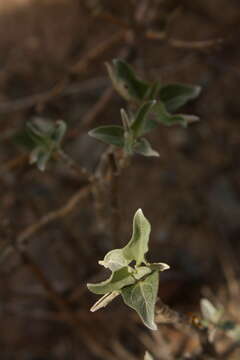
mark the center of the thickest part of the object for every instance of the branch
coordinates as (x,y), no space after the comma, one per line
(22,238)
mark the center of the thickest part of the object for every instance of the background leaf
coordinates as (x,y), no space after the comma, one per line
(176,95)
(124,80)
(147,356)
(143,147)
(210,312)
(109,134)
(139,124)
(142,297)
(165,118)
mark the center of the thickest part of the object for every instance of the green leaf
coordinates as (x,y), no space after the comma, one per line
(142,298)
(164,117)
(114,260)
(125,82)
(58,132)
(138,245)
(158,266)
(104,300)
(22,138)
(176,95)
(40,127)
(148,356)
(141,271)
(143,147)
(139,124)
(109,134)
(125,119)
(117,281)
(129,142)
(40,157)
(210,312)
(152,91)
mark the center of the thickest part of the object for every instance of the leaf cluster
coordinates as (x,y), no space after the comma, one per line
(42,138)
(132,276)
(213,320)
(151,104)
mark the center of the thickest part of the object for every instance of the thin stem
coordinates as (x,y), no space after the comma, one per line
(164,314)
(69,162)
(114,199)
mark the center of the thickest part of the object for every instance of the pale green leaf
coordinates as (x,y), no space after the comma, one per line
(104,301)
(40,157)
(141,271)
(138,125)
(109,134)
(114,260)
(210,312)
(176,95)
(159,266)
(143,147)
(59,132)
(142,298)
(165,118)
(125,119)
(138,245)
(152,91)
(148,356)
(117,281)
(125,82)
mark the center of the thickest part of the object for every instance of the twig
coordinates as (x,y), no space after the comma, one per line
(114,199)
(228,352)
(96,51)
(165,314)
(53,215)
(80,171)
(33,100)
(53,295)
(13,163)
(62,305)
(97,109)
(23,103)
(182,44)
(23,237)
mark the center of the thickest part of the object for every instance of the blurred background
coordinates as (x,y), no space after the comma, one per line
(52,66)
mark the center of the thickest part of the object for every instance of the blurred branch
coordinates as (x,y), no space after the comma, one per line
(96,51)
(45,220)
(53,215)
(183,44)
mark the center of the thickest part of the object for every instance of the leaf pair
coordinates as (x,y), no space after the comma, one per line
(129,136)
(213,320)
(138,283)
(42,137)
(135,90)
(168,98)
(155,103)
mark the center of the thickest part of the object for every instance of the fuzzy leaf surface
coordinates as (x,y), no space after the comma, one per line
(138,244)
(144,148)
(117,281)
(125,81)
(109,134)
(165,118)
(175,96)
(142,298)
(139,124)
(114,260)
